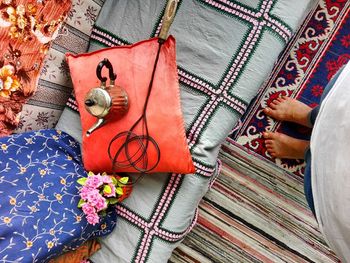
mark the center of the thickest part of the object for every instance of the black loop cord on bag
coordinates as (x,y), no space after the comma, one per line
(139,159)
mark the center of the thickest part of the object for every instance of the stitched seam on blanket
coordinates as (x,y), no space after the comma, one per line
(155,205)
(162,233)
(282,29)
(185,77)
(182,236)
(203,169)
(233,75)
(208,119)
(172,186)
(203,83)
(72,103)
(105,34)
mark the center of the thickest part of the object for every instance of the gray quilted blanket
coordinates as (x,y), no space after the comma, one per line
(225,51)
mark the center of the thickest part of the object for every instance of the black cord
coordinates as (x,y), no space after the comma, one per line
(139,159)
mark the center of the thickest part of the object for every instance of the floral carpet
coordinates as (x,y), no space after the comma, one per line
(318,50)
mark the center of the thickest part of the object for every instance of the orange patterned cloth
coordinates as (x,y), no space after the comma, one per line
(83,252)
(27,28)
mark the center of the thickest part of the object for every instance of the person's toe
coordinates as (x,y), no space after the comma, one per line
(267,110)
(270,150)
(273,105)
(268,143)
(266,135)
(270,135)
(275,102)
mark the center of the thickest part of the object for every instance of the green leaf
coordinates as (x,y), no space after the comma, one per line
(119,191)
(107,189)
(103,213)
(114,181)
(113,201)
(81,202)
(124,180)
(91,174)
(82,181)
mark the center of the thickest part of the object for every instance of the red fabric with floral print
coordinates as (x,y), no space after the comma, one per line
(26,31)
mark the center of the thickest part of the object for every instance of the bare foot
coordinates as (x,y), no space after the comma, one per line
(288,109)
(282,146)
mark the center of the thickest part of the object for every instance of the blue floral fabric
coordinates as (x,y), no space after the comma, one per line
(39,218)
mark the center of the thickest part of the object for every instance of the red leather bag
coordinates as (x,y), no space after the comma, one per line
(133,65)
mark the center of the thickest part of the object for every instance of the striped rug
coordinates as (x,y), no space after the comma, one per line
(255,212)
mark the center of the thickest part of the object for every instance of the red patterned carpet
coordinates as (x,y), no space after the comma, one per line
(318,50)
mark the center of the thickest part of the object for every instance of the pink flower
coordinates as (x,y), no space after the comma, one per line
(84,192)
(94,181)
(93,218)
(106,179)
(95,189)
(93,196)
(101,204)
(88,209)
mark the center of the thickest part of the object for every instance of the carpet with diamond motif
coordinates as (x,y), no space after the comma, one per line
(317,51)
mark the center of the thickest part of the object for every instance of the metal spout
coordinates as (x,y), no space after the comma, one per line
(94,127)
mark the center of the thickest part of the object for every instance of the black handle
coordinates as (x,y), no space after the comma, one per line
(90,102)
(99,68)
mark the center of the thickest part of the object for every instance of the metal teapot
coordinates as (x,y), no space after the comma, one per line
(104,100)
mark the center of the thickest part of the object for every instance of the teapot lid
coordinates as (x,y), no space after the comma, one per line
(98,102)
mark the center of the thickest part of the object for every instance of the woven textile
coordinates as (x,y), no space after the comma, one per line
(81,253)
(44,108)
(39,214)
(225,50)
(26,33)
(318,50)
(255,212)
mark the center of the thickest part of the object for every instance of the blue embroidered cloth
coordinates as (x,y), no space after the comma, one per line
(39,218)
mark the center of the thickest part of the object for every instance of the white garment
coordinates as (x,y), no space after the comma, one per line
(330,151)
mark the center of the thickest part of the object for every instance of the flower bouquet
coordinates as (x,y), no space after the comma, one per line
(100,191)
